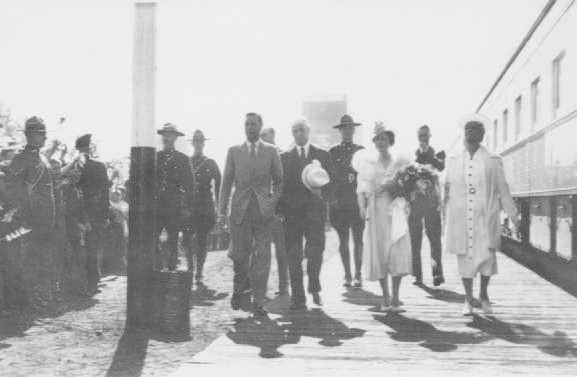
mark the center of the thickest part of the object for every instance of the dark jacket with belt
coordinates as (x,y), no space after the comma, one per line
(174,180)
(344,177)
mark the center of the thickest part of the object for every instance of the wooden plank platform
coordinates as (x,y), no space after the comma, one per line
(533,332)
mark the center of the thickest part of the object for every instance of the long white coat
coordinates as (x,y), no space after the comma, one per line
(497,197)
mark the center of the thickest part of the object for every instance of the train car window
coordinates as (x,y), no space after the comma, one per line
(505,126)
(556,83)
(534,102)
(518,114)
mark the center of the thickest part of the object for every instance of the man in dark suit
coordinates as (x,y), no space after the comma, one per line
(175,191)
(254,169)
(305,211)
(427,207)
(94,185)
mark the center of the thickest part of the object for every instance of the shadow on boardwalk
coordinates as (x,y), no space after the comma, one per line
(428,336)
(269,335)
(130,354)
(556,344)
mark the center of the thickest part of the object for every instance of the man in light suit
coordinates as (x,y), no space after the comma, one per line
(305,212)
(254,169)
(475,193)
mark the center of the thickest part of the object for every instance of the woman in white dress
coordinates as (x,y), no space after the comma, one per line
(387,248)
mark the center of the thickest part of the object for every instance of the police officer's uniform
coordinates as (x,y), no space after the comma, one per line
(344,210)
(175,182)
(205,171)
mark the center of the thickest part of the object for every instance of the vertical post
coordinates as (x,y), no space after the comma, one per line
(142,185)
(574,227)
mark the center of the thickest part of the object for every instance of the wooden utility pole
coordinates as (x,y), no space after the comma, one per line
(142,185)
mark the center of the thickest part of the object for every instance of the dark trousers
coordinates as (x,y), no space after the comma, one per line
(427,211)
(195,240)
(344,221)
(310,227)
(94,255)
(169,220)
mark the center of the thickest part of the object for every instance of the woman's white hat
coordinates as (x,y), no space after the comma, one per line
(475,117)
(314,176)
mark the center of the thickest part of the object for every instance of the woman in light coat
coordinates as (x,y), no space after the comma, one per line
(475,193)
(387,248)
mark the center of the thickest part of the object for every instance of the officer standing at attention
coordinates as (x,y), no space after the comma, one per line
(30,196)
(344,209)
(94,185)
(207,178)
(175,182)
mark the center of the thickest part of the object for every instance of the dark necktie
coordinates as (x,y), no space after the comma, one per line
(302,154)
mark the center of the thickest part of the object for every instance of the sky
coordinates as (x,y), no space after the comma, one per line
(405,63)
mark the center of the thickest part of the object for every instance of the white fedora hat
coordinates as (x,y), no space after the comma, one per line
(314,176)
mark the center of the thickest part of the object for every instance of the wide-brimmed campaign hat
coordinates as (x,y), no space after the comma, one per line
(35,124)
(198,135)
(475,117)
(169,128)
(314,176)
(347,121)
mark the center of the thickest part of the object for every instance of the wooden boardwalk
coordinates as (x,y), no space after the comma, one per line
(533,332)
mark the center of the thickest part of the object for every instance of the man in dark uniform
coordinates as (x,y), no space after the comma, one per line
(344,209)
(206,187)
(94,185)
(175,182)
(30,192)
(427,207)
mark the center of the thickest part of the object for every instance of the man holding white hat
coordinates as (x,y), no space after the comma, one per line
(475,193)
(303,204)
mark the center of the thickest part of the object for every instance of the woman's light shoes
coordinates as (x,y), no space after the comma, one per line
(468,309)
(485,306)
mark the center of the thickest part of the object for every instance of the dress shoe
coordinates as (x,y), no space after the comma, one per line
(347,283)
(282,292)
(468,309)
(298,306)
(236,301)
(259,311)
(486,307)
(357,283)
(317,299)
(438,280)
(418,282)
(396,309)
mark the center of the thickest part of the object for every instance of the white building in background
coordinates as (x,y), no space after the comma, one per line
(322,113)
(533,106)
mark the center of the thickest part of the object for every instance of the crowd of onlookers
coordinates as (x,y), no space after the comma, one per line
(63,217)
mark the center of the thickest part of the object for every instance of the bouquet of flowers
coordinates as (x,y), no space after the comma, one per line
(414,179)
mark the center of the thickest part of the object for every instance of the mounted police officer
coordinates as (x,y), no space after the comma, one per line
(175,185)
(94,186)
(30,195)
(207,179)
(344,210)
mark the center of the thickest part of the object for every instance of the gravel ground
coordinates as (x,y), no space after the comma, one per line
(89,340)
